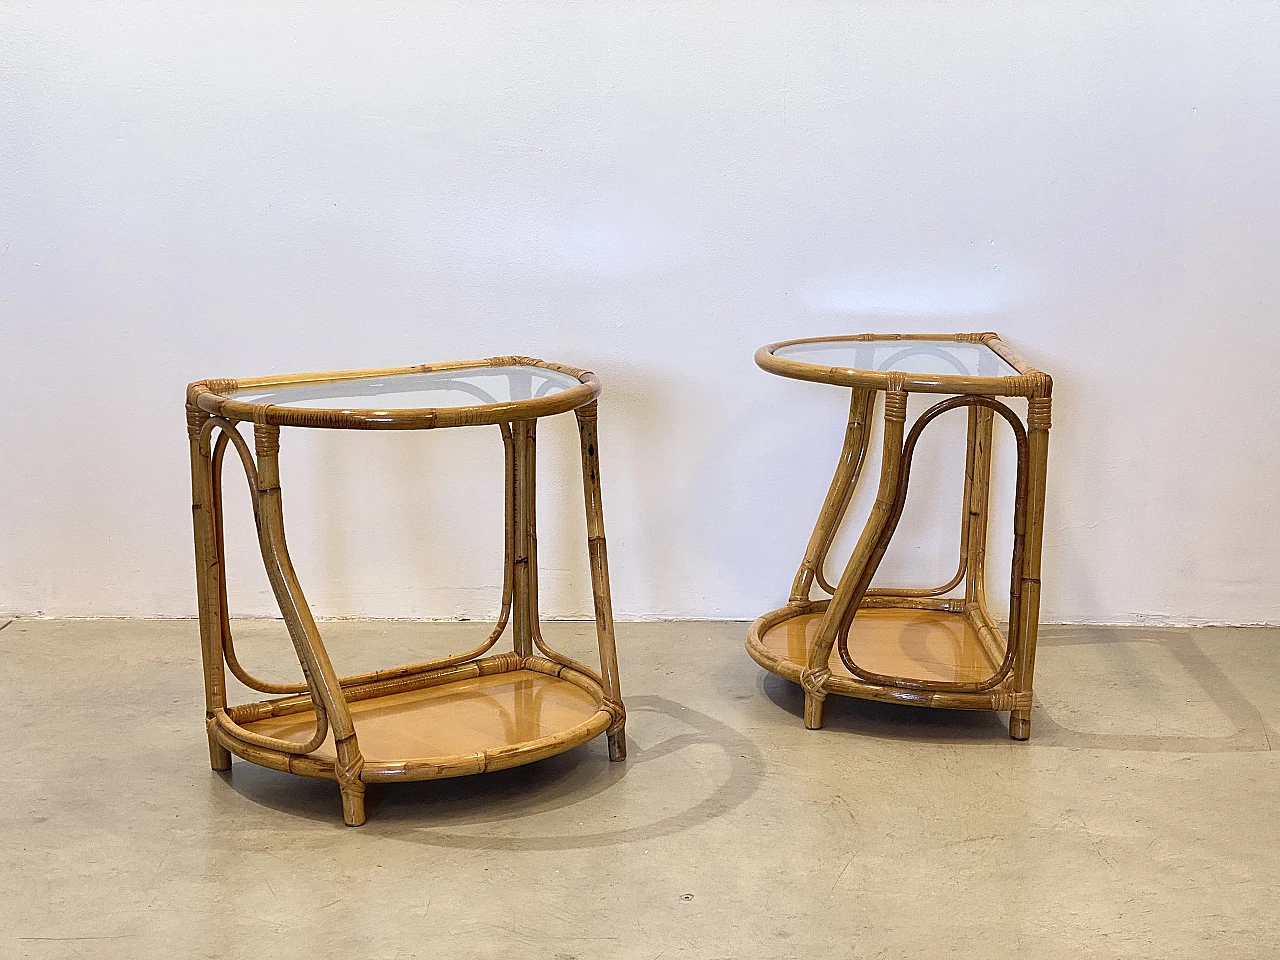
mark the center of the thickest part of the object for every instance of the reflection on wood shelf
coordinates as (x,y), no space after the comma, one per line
(465,718)
(916,644)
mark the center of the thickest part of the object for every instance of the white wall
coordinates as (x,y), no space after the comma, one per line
(651,190)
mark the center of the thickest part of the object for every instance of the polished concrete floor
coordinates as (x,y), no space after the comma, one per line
(1140,820)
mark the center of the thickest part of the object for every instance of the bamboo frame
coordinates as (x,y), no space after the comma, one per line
(1011,657)
(213,419)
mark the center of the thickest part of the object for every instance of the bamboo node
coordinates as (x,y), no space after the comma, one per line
(814,682)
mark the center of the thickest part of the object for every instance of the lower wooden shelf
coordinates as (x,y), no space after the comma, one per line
(497,719)
(908,644)
(913,644)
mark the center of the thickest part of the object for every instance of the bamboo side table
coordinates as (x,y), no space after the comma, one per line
(929,647)
(466,713)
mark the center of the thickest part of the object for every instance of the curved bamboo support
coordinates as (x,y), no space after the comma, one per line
(527,547)
(523,522)
(321,678)
(228,432)
(972,454)
(848,595)
(207,580)
(885,534)
(535,626)
(891,498)
(857,436)
(603,600)
(504,612)
(215,589)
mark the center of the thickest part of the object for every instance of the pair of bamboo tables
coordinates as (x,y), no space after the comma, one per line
(476,711)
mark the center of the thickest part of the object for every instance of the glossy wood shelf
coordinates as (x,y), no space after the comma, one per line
(914,644)
(487,722)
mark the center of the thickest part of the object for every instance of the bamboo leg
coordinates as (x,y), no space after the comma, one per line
(600,580)
(348,767)
(977,512)
(856,437)
(853,584)
(525,599)
(815,708)
(981,421)
(208,579)
(321,677)
(1039,417)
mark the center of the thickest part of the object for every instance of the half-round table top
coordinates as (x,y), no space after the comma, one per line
(462,393)
(945,363)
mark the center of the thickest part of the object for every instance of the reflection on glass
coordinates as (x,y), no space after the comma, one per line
(922,357)
(411,391)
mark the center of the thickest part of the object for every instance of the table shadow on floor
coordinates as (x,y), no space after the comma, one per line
(445,813)
(889,721)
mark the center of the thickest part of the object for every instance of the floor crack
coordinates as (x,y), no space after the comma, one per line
(1266,736)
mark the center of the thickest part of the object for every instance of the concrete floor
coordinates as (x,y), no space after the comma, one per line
(1140,821)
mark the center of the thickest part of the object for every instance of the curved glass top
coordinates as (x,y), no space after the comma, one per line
(921,357)
(466,387)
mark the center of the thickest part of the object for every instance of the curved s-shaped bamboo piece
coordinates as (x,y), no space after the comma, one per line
(316,666)
(815,675)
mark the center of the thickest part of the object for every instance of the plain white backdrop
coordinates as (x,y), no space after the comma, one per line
(651,190)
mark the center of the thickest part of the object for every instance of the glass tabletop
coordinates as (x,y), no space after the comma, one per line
(466,387)
(922,357)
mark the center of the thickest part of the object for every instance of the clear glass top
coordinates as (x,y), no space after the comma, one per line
(923,357)
(466,387)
